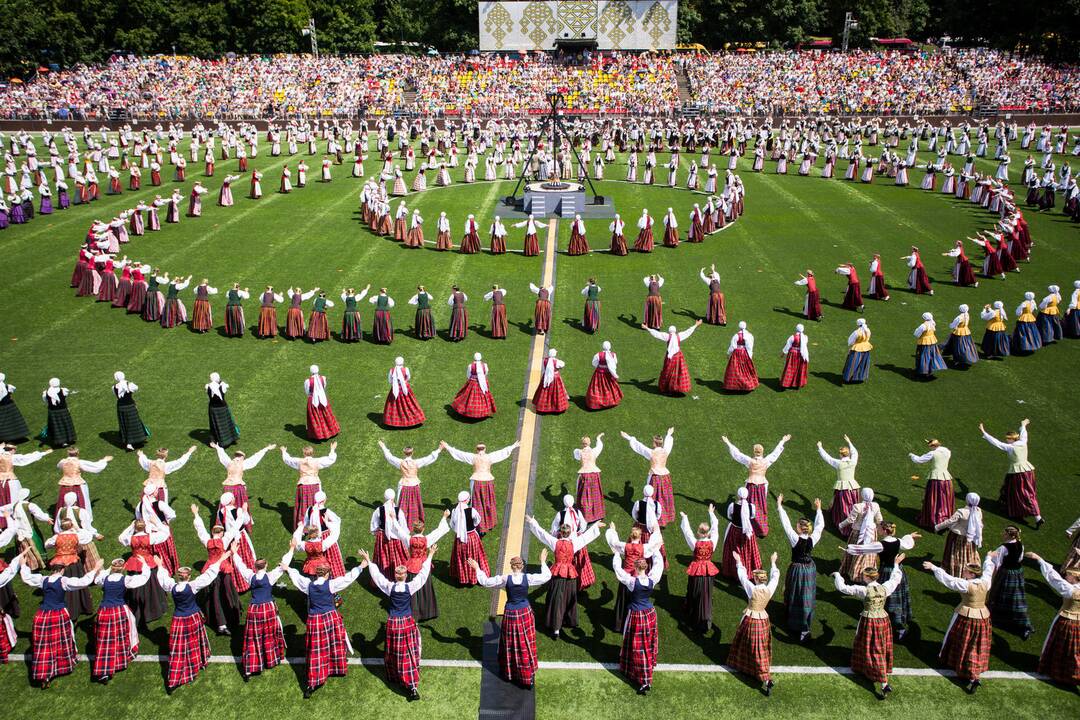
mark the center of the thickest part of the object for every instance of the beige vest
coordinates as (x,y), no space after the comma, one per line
(756,469)
(70,472)
(410,474)
(845,475)
(658,462)
(234,472)
(973,602)
(1071,607)
(758,601)
(481,468)
(588,461)
(1018,459)
(939,466)
(309,472)
(7,468)
(874,604)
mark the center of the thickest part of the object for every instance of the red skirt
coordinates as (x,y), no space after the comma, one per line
(201,318)
(402,656)
(590,496)
(853,297)
(294,323)
(443,241)
(167,552)
(498,322)
(590,322)
(470,244)
(746,545)
(640,646)
(382,327)
(113,647)
(473,547)
(604,391)
(585,575)
(654,311)
(1060,659)
(327,648)
(967,647)
(1020,495)
(717,312)
(740,374)
(189,649)
(497,245)
(411,503)
(424,324)
(551,399)
(922,281)
(872,652)
(267,322)
(52,645)
(965,276)
(644,242)
(938,503)
(305,498)
(578,244)
(795,370)
(842,502)
(388,553)
(402,411)
(758,495)
(813,305)
(532,245)
(751,648)
(665,495)
(483,501)
(542,316)
(618,244)
(318,329)
(321,423)
(472,402)
(264,641)
(671,237)
(517,646)
(459,323)
(675,376)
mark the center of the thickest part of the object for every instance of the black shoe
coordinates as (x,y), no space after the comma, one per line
(244,676)
(767,689)
(170,690)
(1038,522)
(643,689)
(973,686)
(105,680)
(886,688)
(308,691)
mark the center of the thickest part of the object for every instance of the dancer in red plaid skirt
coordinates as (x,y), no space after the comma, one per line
(550,396)
(697,607)
(938,502)
(401,409)
(716,314)
(603,391)
(326,641)
(635,548)
(1019,492)
(739,536)
(222,600)
(812,303)
(853,297)
(264,640)
(641,637)
(482,482)
(590,493)
(474,400)
(564,586)
(740,374)
(751,648)
(517,636)
(189,650)
(160,467)
(575,520)
(235,468)
(674,375)
(402,656)
(872,652)
(966,648)
(321,423)
(654,303)
(846,487)
(797,360)
(408,489)
(756,482)
(158,516)
(308,483)
(542,310)
(1060,658)
(391,533)
(8,636)
(52,643)
(464,521)
(116,638)
(659,477)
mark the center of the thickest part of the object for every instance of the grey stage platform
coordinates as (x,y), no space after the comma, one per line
(563,202)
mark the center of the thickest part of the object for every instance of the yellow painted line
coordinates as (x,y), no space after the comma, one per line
(514,533)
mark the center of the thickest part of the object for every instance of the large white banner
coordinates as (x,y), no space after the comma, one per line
(613,24)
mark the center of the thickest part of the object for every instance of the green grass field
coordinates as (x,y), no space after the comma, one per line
(313,237)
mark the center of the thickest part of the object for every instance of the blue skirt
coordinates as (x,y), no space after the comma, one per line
(1026,338)
(995,344)
(1049,328)
(1072,324)
(928,360)
(857,366)
(962,350)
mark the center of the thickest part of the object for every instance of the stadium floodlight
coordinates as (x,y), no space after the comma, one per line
(309,31)
(849,24)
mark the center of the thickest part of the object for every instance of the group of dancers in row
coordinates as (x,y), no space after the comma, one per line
(135,589)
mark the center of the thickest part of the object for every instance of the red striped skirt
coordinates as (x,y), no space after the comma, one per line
(740,375)
(517,646)
(402,411)
(654,311)
(327,649)
(472,402)
(665,495)
(1060,659)
(267,322)
(52,645)
(473,547)
(318,328)
(264,640)
(542,316)
(603,390)
(675,375)
(201,316)
(590,321)
(640,646)
(872,652)
(751,648)
(758,495)
(590,496)
(388,553)
(483,501)
(113,647)
(746,545)
(167,552)
(1020,495)
(967,646)
(321,423)
(671,237)
(842,502)
(305,498)
(532,245)
(795,371)
(716,314)
(382,327)
(402,656)
(189,649)
(551,399)
(294,323)
(585,575)
(498,322)
(644,241)
(411,504)
(938,503)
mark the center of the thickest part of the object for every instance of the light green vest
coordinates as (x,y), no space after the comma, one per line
(845,475)
(939,465)
(1018,459)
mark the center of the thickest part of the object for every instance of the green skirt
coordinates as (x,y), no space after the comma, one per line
(12,424)
(59,429)
(132,430)
(222,426)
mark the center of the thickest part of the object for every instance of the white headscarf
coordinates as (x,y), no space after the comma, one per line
(317,388)
(672,341)
(549,368)
(866,528)
(398,385)
(975,520)
(54,391)
(389,511)
(612,360)
(481,371)
(216,387)
(744,511)
(457,517)
(226,499)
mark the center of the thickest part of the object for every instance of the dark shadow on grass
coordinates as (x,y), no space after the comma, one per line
(689,314)
(525,328)
(773,383)
(835,378)
(461,418)
(648,386)
(210,505)
(630,320)
(463,637)
(201,435)
(905,372)
(284,511)
(894,508)
(112,437)
(788,311)
(299,431)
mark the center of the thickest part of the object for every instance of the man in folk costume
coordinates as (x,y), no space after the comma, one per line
(222,603)
(853,299)
(751,648)
(1019,489)
(189,649)
(800,584)
(542,310)
(470,241)
(532,243)
(860,527)
(654,303)
(71,480)
(9,460)
(482,482)
(566,578)
(116,637)
(918,281)
(468,545)
(641,637)
(796,354)
(326,641)
(517,637)
(716,314)
(674,375)
(161,467)
(52,642)
(408,489)
(938,502)
(459,314)
(1060,657)
(846,487)
(321,422)
(887,548)
(740,375)
(872,651)
(264,640)
(966,648)
(756,482)
(659,477)
(497,298)
(550,396)
(308,484)
(812,303)
(697,607)
(234,470)
(401,409)
(402,656)
(590,321)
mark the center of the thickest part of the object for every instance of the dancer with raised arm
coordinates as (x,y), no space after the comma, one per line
(800,583)
(674,375)
(697,606)
(756,482)
(517,638)
(751,648)
(659,477)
